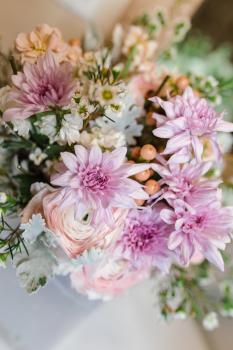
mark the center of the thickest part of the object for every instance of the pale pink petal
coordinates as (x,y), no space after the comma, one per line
(224,126)
(197,147)
(69,160)
(165,131)
(95,156)
(168,216)
(177,142)
(81,154)
(174,240)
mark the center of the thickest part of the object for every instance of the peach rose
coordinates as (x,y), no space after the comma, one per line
(108,279)
(77,236)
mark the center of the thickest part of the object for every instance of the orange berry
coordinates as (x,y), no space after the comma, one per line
(152,187)
(139,202)
(135,152)
(148,152)
(143,175)
(182,82)
(130,161)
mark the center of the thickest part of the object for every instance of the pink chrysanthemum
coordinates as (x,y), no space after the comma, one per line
(39,87)
(203,229)
(186,182)
(188,120)
(98,182)
(144,239)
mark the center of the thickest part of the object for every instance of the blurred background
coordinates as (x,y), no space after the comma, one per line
(56,318)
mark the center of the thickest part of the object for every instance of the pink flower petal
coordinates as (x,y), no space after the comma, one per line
(69,160)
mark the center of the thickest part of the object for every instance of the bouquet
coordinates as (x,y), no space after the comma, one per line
(111,163)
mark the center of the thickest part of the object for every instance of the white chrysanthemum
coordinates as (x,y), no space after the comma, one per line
(210,321)
(33,228)
(70,129)
(47,126)
(22,127)
(125,122)
(37,156)
(104,137)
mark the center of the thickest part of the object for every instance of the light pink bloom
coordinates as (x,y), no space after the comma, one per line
(186,182)
(39,87)
(108,279)
(144,239)
(188,120)
(77,236)
(97,182)
(203,229)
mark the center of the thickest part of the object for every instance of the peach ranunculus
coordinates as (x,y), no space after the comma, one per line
(31,45)
(74,236)
(77,236)
(108,279)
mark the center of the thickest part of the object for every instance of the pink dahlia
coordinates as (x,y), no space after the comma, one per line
(186,182)
(203,229)
(39,87)
(188,120)
(144,239)
(98,182)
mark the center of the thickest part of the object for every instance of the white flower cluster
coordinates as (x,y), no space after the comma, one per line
(69,131)
(121,129)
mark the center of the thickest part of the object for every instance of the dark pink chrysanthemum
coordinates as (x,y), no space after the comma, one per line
(144,239)
(188,120)
(40,86)
(97,182)
(204,229)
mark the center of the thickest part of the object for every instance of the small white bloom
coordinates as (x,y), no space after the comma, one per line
(33,228)
(22,127)
(210,321)
(108,95)
(47,126)
(70,130)
(37,156)
(103,136)
(83,108)
(3,197)
(124,123)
